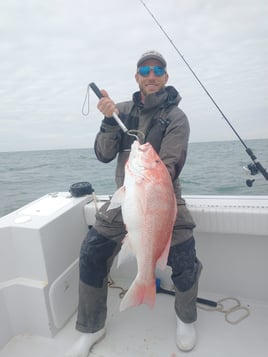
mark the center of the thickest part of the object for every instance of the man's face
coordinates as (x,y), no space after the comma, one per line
(151,83)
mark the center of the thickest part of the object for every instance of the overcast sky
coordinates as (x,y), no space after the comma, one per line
(50,50)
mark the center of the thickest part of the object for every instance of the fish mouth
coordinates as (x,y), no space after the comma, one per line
(144,147)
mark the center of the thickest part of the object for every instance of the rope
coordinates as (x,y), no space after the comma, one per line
(86,105)
(236,308)
(112,285)
(220,307)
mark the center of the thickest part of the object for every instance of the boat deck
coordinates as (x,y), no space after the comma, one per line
(150,333)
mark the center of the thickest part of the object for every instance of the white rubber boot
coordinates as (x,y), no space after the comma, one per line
(84,343)
(186,335)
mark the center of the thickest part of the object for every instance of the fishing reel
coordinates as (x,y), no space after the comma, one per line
(252,170)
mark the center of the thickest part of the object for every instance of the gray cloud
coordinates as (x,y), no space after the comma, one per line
(51,50)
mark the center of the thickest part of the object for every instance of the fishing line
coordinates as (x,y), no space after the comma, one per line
(254,169)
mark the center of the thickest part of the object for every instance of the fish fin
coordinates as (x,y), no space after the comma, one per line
(125,253)
(117,198)
(139,293)
(162,260)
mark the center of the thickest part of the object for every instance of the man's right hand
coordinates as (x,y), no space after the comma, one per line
(106,105)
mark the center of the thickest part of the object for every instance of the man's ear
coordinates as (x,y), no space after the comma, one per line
(167,77)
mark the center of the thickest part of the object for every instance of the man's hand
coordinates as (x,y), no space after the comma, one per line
(106,105)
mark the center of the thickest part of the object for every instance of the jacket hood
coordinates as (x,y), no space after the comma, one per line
(165,97)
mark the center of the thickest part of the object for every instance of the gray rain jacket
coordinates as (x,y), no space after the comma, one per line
(164,125)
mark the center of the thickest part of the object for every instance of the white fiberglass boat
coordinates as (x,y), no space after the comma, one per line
(39,250)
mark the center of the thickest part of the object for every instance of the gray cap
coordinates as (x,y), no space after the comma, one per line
(152,55)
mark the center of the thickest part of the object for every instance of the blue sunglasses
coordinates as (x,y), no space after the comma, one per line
(145,70)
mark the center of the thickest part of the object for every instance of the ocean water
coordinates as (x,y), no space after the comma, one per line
(213,168)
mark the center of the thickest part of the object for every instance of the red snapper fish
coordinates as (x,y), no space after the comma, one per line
(149,211)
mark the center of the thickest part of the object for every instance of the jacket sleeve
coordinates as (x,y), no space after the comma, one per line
(107,141)
(173,150)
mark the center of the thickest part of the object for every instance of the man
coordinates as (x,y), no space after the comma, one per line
(154,111)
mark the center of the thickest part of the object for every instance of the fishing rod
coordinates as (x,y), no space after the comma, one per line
(254,168)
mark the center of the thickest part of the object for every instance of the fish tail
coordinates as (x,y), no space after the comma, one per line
(139,293)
